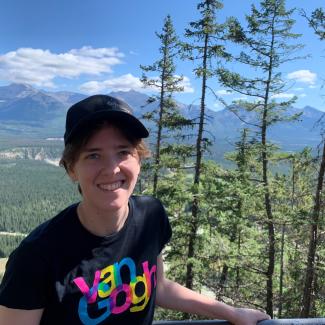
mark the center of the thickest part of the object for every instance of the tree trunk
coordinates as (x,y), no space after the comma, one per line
(195,203)
(269,214)
(159,131)
(281,272)
(222,281)
(310,269)
(237,267)
(267,198)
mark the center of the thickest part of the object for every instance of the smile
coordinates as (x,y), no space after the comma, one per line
(111,187)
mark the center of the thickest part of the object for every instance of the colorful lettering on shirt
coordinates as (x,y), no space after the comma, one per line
(107,286)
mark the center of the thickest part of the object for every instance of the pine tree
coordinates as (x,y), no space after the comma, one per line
(317,22)
(166,116)
(245,191)
(267,42)
(205,46)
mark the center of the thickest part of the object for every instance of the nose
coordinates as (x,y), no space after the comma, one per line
(111,165)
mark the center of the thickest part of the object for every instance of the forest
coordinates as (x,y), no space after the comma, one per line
(252,234)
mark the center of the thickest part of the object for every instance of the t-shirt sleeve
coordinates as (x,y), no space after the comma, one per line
(25,284)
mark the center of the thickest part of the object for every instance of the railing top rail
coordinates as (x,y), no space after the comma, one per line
(300,321)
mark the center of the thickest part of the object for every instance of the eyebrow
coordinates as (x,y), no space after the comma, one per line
(121,146)
(91,150)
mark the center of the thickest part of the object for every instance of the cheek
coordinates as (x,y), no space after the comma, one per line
(133,170)
(81,173)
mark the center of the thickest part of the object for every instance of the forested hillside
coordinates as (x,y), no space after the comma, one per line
(31,192)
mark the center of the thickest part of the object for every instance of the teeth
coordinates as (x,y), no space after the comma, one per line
(110,187)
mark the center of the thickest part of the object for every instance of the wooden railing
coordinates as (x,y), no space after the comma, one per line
(300,321)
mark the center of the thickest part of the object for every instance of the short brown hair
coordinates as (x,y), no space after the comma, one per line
(73,149)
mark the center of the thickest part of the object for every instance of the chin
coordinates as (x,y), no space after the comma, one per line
(114,206)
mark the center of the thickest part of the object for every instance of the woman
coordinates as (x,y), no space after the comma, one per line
(99,261)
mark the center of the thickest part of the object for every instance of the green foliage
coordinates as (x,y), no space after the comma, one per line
(166,115)
(268,43)
(8,243)
(31,192)
(205,30)
(205,46)
(317,22)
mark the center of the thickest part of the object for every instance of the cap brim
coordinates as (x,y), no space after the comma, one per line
(132,124)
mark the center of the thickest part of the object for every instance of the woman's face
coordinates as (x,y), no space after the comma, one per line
(107,170)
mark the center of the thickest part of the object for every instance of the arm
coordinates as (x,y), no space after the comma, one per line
(172,295)
(10,316)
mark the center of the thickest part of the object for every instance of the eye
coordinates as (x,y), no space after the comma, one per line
(92,156)
(125,152)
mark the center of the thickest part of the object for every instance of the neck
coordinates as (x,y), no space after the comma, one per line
(102,223)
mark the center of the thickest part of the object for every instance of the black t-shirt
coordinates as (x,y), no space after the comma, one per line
(80,278)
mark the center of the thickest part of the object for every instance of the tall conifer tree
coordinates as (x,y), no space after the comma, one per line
(203,47)
(166,115)
(317,22)
(268,45)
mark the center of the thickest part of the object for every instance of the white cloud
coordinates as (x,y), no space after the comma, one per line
(125,83)
(40,67)
(223,92)
(283,96)
(99,53)
(304,76)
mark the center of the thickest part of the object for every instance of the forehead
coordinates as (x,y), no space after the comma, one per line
(108,135)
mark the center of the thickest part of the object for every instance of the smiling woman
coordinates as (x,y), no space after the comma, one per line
(103,152)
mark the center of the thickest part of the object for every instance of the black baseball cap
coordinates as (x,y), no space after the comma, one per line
(99,107)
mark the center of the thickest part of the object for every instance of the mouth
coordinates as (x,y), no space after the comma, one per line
(111,187)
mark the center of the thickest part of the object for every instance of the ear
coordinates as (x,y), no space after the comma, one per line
(72,174)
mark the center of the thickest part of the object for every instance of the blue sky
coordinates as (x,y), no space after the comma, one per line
(96,46)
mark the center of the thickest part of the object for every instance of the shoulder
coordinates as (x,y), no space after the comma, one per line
(148,210)
(150,214)
(147,203)
(31,266)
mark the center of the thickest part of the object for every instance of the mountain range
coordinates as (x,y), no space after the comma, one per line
(28,112)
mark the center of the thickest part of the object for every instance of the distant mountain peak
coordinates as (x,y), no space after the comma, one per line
(132,97)
(21,86)
(16,90)
(310,108)
(129,93)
